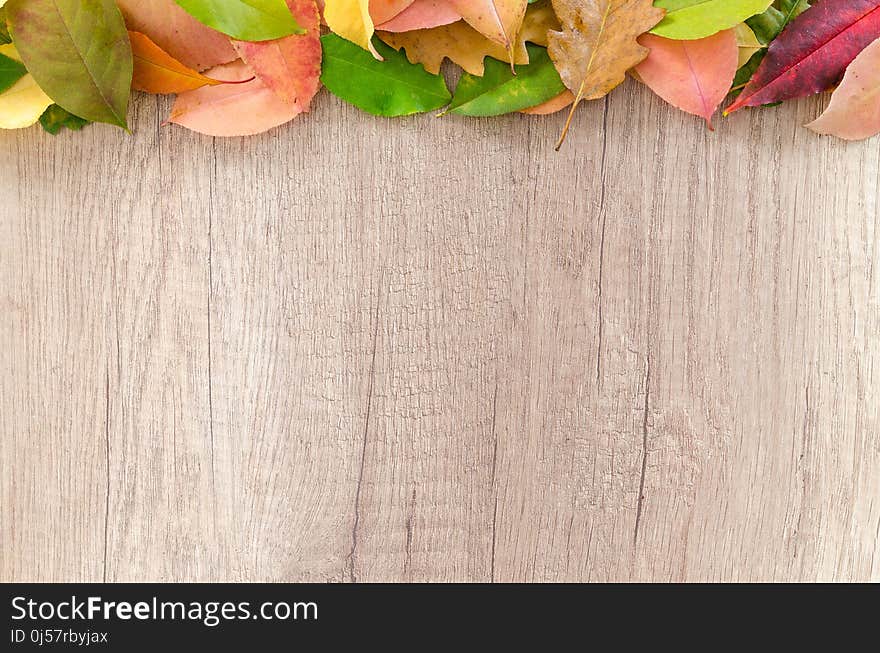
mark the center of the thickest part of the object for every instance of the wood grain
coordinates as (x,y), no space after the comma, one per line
(359,350)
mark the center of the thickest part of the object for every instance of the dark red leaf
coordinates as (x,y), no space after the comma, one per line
(812,54)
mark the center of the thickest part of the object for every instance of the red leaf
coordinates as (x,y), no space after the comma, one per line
(290,66)
(811,55)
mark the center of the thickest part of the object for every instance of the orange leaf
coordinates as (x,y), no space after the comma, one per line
(694,76)
(553,105)
(156,71)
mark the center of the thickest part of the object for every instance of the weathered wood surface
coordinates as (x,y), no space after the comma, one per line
(358,349)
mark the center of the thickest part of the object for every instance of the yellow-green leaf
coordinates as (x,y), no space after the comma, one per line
(24,103)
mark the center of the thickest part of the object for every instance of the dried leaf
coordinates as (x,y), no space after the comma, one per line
(498,20)
(468,48)
(597,44)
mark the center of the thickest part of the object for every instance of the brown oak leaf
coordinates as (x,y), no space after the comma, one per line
(597,44)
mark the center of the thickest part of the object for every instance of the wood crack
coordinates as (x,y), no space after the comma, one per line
(603,216)
(209,325)
(641,499)
(352,555)
(408,525)
(494,488)
(107,459)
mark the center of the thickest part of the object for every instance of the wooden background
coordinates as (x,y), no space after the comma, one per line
(433,349)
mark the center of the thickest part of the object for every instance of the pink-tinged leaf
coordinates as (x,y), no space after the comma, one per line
(291,66)
(384,10)
(694,76)
(813,52)
(232,109)
(854,112)
(422,14)
(178,33)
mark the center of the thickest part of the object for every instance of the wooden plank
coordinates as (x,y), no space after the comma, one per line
(358,349)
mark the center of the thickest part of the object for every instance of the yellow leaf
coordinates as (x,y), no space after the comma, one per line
(23,103)
(499,20)
(351,20)
(747,43)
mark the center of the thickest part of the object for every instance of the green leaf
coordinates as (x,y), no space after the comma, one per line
(54,119)
(393,87)
(499,91)
(768,25)
(78,52)
(245,20)
(10,72)
(696,19)
(4,30)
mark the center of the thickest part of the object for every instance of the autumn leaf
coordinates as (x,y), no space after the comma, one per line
(694,76)
(291,66)
(241,109)
(22,104)
(597,45)
(554,105)
(156,71)
(78,52)
(498,20)
(464,45)
(177,33)
(384,10)
(812,54)
(351,20)
(747,43)
(422,14)
(854,112)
